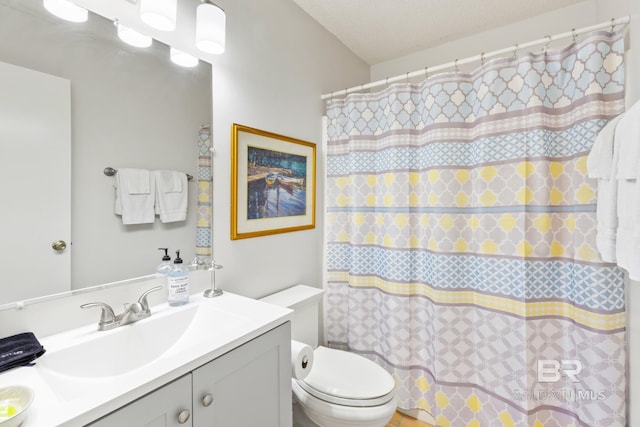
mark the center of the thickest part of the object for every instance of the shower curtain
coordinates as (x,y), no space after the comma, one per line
(461,240)
(205,187)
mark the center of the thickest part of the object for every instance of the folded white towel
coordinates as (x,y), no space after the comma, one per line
(132,202)
(172,195)
(629,130)
(599,161)
(169,181)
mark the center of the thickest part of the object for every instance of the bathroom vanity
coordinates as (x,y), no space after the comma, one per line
(213,362)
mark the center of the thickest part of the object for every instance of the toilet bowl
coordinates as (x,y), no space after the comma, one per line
(345,390)
(342,389)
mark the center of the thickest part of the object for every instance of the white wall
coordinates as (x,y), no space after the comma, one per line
(278,62)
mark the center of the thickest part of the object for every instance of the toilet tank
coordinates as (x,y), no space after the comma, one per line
(305,303)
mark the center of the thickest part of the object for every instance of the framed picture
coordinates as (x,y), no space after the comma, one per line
(273,183)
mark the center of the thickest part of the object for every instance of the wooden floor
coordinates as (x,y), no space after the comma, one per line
(400,420)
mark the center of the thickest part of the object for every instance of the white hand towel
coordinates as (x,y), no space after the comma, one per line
(607,201)
(172,195)
(600,158)
(169,181)
(135,196)
(629,130)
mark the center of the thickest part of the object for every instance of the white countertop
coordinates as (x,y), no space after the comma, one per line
(62,400)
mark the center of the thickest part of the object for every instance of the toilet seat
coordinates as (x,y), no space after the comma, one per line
(347,379)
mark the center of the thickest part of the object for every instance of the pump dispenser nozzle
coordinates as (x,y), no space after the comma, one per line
(166,256)
(178,260)
(165,266)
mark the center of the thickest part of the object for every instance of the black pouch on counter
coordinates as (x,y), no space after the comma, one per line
(19,350)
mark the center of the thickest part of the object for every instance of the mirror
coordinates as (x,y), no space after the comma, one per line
(129,107)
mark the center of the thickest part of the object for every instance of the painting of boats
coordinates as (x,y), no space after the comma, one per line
(273,183)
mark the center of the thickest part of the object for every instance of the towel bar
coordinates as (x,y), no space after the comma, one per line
(109,171)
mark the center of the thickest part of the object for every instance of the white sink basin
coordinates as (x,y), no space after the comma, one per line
(95,354)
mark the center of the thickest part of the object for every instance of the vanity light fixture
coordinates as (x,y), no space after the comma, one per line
(66,10)
(210,28)
(132,37)
(183,59)
(159,14)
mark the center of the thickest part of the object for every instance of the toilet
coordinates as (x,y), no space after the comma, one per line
(342,389)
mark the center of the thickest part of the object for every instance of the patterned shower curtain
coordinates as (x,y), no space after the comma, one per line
(205,197)
(461,240)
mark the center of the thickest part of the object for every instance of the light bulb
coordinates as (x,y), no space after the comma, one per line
(210,28)
(132,37)
(182,58)
(159,14)
(66,10)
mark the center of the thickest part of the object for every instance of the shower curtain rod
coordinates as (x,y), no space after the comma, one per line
(482,57)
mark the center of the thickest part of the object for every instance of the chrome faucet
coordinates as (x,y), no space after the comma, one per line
(132,312)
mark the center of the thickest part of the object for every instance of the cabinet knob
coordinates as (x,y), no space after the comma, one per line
(207,400)
(183,416)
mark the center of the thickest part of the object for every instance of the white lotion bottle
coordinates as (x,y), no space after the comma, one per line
(178,283)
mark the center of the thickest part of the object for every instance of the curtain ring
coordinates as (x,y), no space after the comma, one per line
(426,72)
(574,36)
(515,52)
(482,59)
(455,66)
(407,77)
(613,24)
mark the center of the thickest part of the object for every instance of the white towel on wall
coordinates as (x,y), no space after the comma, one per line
(600,159)
(628,206)
(135,196)
(629,130)
(627,238)
(602,164)
(172,195)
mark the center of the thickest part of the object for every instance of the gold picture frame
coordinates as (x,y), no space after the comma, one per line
(273,183)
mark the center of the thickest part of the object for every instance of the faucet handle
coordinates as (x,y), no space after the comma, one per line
(107,315)
(143,298)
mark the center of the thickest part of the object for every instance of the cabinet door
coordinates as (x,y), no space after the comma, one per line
(247,387)
(161,408)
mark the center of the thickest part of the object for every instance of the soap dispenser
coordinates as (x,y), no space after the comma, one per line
(165,267)
(178,283)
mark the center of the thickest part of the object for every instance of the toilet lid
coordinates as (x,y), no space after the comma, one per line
(340,376)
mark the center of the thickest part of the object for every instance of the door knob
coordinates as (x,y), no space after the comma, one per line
(59,245)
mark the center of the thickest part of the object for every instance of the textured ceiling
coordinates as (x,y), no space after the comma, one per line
(381,30)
